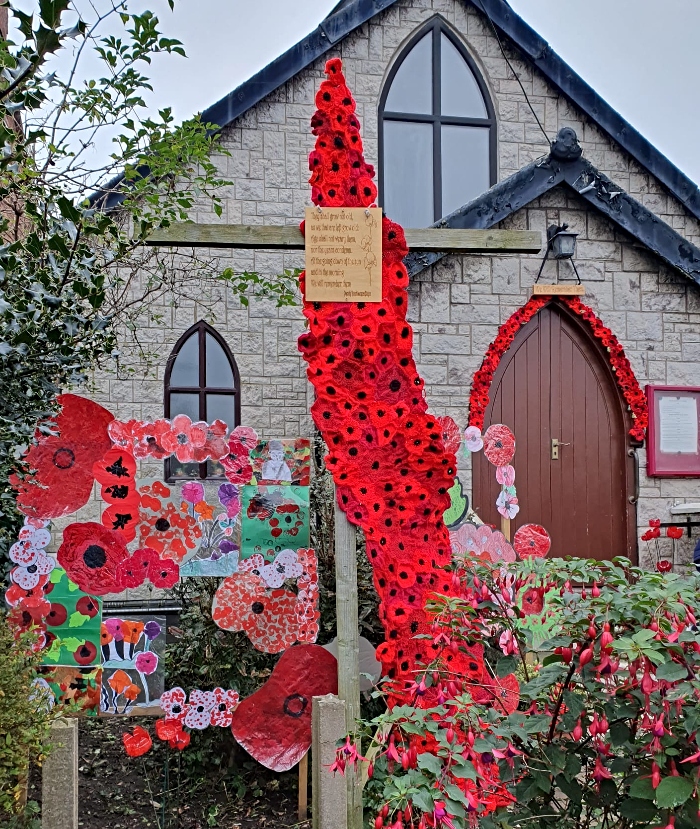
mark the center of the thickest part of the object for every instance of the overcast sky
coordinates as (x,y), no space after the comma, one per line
(641,55)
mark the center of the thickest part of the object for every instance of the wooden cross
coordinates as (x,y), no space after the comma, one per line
(289,237)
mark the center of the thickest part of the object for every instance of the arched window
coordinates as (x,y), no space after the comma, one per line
(201,381)
(437,130)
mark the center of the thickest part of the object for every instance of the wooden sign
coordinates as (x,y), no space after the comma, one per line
(558,290)
(343,254)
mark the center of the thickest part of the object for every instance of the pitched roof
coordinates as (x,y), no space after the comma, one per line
(566,165)
(348,15)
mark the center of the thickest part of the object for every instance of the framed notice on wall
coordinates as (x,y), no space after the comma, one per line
(674,431)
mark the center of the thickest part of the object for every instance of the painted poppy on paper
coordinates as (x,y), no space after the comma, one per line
(531,541)
(91,556)
(499,445)
(62,479)
(274,724)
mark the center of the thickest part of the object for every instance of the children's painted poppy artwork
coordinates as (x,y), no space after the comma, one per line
(72,623)
(75,687)
(133,663)
(219,522)
(274,518)
(286,462)
(274,724)
(163,525)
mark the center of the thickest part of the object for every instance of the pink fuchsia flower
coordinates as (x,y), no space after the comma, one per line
(472,436)
(200,708)
(185,439)
(505,475)
(507,505)
(146,662)
(173,703)
(193,492)
(507,643)
(225,703)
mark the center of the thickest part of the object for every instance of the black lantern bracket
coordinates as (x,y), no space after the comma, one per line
(561,243)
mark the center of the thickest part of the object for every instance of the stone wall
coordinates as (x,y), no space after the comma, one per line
(458,304)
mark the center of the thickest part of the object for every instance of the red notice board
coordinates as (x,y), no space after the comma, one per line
(673,445)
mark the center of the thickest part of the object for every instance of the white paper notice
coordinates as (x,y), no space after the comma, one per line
(678,418)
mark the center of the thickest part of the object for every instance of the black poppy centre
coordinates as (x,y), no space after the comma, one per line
(295,705)
(162,524)
(94,557)
(63,458)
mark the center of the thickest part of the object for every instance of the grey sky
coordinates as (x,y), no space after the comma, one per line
(641,55)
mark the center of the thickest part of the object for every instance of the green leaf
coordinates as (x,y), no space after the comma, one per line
(77,619)
(673,791)
(642,788)
(430,763)
(423,800)
(506,666)
(639,810)
(671,672)
(619,733)
(465,772)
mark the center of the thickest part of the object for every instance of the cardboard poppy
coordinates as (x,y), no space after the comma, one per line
(117,468)
(531,541)
(91,556)
(171,731)
(164,573)
(137,742)
(274,724)
(62,479)
(533,600)
(499,445)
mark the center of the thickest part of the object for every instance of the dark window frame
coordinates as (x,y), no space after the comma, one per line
(436,26)
(201,328)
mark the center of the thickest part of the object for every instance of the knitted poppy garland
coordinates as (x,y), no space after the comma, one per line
(386,453)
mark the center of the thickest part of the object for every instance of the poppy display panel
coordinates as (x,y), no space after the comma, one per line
(72,625)
(133,662)
(274,518)
(283,462)
(76,688)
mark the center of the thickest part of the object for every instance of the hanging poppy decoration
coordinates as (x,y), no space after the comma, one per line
(137,742)
(499,445)
(531,541)
(91,556)
(274,724)
(61,464)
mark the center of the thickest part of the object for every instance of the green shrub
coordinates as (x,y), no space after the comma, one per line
(24,728)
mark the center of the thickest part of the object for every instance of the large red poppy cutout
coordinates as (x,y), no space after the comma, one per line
(91,556)
(62,482)
(274,724)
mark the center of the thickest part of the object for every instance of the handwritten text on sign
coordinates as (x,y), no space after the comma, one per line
(343,254)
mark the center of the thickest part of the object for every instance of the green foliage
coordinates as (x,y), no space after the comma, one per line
(24,725)
(73,276)
(607,731)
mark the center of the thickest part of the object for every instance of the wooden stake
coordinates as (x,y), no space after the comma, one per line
(505,527)
(304,787)
(348,646)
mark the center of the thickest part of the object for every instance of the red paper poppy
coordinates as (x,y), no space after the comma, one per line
(116,468)
(664,566)
(674,532)
(91,556)
(533,601)
(531,541)
(62,481)
(137,741)
(274,724)
(170,731)
(164,573)
(499,445)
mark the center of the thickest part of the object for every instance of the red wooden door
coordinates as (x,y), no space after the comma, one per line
(554,383)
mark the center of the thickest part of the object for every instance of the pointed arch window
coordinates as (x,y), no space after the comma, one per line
(201,381)
(437,130)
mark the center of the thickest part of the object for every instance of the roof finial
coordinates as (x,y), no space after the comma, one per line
(566,147)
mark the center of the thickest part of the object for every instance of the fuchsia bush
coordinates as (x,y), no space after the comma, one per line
(605,731)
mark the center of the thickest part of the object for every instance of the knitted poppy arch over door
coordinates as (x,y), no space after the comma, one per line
(386,453)
(622,370)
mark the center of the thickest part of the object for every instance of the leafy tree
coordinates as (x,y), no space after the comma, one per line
(73,275)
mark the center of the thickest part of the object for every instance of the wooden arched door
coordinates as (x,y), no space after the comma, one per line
(555,383)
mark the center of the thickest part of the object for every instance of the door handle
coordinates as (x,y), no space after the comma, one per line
(556,443)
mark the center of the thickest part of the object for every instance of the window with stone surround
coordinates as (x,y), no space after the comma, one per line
(437,130)
(201,381)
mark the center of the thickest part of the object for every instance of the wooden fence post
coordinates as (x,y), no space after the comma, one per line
(59,777)
(348,646)
(328,791)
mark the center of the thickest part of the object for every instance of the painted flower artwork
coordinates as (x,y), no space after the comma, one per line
(219,530)
(132,652)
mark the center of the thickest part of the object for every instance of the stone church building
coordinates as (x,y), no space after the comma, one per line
(461,103)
